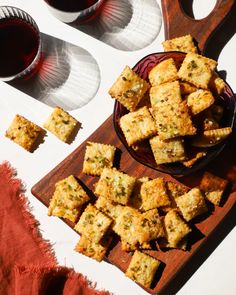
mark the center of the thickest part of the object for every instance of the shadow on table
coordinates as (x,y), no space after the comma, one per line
(125,25)
(67,75)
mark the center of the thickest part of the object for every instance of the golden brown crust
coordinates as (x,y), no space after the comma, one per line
(23,132)
(129,89)
(61,124)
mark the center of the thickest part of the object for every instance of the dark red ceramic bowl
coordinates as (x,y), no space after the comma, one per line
(144,154)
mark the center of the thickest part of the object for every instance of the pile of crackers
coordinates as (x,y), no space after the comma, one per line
(144,213)
(177,110)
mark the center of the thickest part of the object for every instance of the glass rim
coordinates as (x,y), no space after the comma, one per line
(76,11)
(31,22)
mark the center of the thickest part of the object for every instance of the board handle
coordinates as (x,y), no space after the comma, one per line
(177,23)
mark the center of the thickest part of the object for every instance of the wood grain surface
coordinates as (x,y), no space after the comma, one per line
(173,261)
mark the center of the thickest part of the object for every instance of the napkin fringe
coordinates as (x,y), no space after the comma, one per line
(30,221)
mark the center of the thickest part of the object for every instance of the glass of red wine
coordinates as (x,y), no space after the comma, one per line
(20,48)
(73,10)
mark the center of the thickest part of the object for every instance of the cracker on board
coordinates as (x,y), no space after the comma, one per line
(163,72)
(195,70)
(92,249)
(167,151)
(183,43)
(142,268)
(213,186)
(138,126)
(173,120)
(191,204)
(129,227)
(154,194)
(129,89)
(115,185)
(176,228)
(24,132)
(67,199)
(200,100)
(98,156)
(61,124)
(93,224)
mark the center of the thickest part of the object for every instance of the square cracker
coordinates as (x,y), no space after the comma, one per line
(167,93)
(115,185)
(93,224)
(129,89)
(163,72)
(213,187)
(137,126)
(200,100)
(61,124)
(92,249)
(142,268)
(183,43)
(67,199)
(173,120)
(129,227)
(176,228)
(191,204)
(167,151)
(24,132)
(196,70)
(154,194)
(97,157)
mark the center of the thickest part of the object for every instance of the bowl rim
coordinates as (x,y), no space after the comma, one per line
(184,171)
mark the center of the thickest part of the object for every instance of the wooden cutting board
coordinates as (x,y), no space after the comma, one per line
(174,261)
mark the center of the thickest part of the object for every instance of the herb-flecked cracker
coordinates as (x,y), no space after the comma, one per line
(67,199)
(183,43)
(213,186)
(195,70)
(163,72)
(142,268)
(191,204)
(129,89)
(115,185)
(92,249)
(97,157)
(200,100)
(167,93)
(176,228)
(167,151)
(93,224)
(61,124)
(23,132)
(137,126)
(154,194)
(129,227)
(173,120)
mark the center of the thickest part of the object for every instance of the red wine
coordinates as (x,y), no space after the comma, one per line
(71,5)
(19,46)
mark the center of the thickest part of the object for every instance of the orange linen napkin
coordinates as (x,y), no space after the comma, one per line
(27,263)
